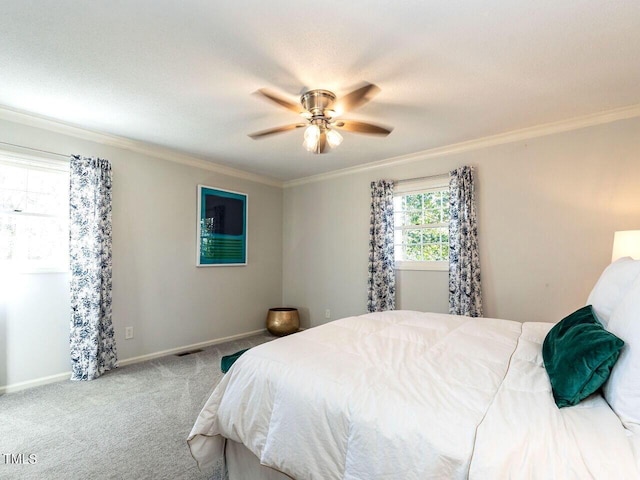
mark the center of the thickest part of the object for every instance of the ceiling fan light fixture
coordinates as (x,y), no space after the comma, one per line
(312,134)
(333,138)
(311,138)
(310,145)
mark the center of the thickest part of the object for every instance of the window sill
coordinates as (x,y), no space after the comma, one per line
(35,271)
(30,270)
(428,266)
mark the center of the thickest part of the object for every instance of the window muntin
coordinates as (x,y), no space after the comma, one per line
(421,224)
(34,199)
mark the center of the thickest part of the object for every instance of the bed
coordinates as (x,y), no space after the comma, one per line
(414,395)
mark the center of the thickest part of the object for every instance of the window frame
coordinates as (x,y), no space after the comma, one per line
(425,185)
(43,163)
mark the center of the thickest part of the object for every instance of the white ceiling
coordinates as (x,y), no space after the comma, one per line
(180,74)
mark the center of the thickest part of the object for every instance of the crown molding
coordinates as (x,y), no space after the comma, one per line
(575,123)
(144,148)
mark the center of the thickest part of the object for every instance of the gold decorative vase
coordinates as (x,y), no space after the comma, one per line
(283,321)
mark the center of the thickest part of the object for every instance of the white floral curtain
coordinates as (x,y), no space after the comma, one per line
(93,347)
(465,293)
(382,278)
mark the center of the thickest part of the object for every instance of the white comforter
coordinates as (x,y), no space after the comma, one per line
(410,395)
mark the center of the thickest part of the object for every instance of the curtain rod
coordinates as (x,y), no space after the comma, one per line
(428,177)
(35,149)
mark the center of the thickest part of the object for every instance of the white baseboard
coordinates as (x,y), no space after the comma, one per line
(186,348)
(15,387)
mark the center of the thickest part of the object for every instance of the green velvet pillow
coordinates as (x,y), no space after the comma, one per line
(578,355)
(228,360)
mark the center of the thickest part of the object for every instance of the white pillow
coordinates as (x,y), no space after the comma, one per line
(622,390)
(612,286)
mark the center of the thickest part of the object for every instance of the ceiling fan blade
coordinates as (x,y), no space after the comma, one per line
(271,131)
(358,97)
(283,102)
(362,127)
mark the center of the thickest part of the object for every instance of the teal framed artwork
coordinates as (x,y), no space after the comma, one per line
(222,227)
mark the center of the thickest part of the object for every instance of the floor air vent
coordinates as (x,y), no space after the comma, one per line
(183,354)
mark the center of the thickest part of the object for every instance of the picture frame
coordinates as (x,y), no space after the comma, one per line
(222,227)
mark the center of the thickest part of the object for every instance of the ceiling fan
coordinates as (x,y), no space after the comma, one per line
(320,109)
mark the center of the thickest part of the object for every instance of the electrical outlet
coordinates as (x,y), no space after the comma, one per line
(128,333)
(327,313)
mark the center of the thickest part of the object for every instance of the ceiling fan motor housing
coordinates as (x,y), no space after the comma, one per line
(317,101)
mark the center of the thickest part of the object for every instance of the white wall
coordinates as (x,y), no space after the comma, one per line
(547,210)
(156,287)
(34,326)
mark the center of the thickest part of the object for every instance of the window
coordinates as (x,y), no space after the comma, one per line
(34,211)
(421,223)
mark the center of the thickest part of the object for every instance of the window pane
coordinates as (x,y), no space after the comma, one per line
(14,178)
(414,217)
(13,200)
(437,200)
(431,216)
(47,192)
(39,203)
(7,237)
(40,181)
(432,252)
(413,202)
(431,200)
(46,238)
(413,252)
(431,235)
(47,203)
(412,237)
